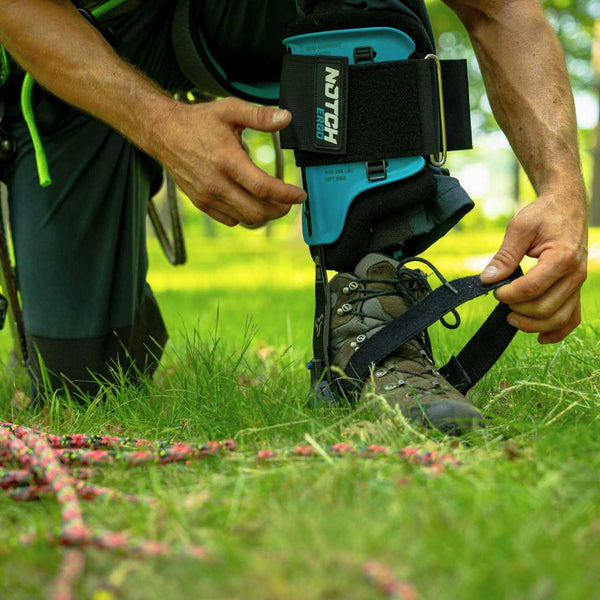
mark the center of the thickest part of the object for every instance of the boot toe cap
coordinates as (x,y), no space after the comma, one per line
(450,417)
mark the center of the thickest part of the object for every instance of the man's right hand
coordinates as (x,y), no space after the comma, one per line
(201,146)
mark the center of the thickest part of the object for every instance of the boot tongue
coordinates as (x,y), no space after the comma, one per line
(380,271)
(376,266)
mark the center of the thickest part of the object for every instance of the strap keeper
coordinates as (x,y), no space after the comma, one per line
(364,54)
(454,371)
(376,170)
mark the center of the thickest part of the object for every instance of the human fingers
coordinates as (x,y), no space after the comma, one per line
(239,167)
(218,192)
(251,210)
(532,285)
(552,337)
(262,118)
(517,241)
(551,301)
(211,198)
(558,320)
(217,215)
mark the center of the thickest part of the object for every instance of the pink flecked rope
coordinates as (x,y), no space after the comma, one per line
(34,464)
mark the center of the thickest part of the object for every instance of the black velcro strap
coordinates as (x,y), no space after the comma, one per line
(457,111)
(385,110)
(472,363)
(481,352)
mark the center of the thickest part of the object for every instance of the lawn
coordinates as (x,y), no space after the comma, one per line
(518,517)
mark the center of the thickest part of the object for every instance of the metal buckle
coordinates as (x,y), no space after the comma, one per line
(376,170)
(440,159)
(8,146)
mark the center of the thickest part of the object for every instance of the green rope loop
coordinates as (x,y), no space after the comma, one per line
(41,159)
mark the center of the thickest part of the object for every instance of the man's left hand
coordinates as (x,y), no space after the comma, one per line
(546,300)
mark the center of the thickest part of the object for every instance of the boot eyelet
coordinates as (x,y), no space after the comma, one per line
(353,286)
(389,387)
(361,338)
(380,373)
(346,308)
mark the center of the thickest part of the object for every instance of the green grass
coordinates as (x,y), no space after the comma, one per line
(519,518)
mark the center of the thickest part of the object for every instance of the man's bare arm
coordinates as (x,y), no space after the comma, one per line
(524,71)
(199,144)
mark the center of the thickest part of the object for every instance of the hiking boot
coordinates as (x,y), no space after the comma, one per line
(364,302)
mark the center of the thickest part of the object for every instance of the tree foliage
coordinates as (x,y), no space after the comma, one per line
(573,21)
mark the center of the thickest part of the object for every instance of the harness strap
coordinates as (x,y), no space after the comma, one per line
(463,371)
(173,247)
(383,110)
(319,366)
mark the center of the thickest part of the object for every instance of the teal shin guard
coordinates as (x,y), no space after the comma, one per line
(324,222)
(372,109)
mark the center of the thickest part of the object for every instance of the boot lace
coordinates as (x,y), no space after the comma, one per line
(412,286)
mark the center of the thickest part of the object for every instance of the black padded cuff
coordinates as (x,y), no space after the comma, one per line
(384,110)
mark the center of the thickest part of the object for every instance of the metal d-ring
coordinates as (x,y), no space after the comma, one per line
(440,159)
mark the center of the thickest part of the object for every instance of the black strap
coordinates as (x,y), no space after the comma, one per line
(474,360)
(384,110)
(481,352)
(320,362)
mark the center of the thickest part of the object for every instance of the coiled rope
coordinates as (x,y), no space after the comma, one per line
(34,464)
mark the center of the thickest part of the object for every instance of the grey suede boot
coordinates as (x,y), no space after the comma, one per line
(366,301)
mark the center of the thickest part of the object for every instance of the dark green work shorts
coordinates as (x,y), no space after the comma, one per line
(80,244)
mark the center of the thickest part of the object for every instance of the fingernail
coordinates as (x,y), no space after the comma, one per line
(280,115)
(513,321)
(489,272)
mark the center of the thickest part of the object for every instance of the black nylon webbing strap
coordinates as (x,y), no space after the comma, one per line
(475,359)
(386,110)
(482,351)
(320,387)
